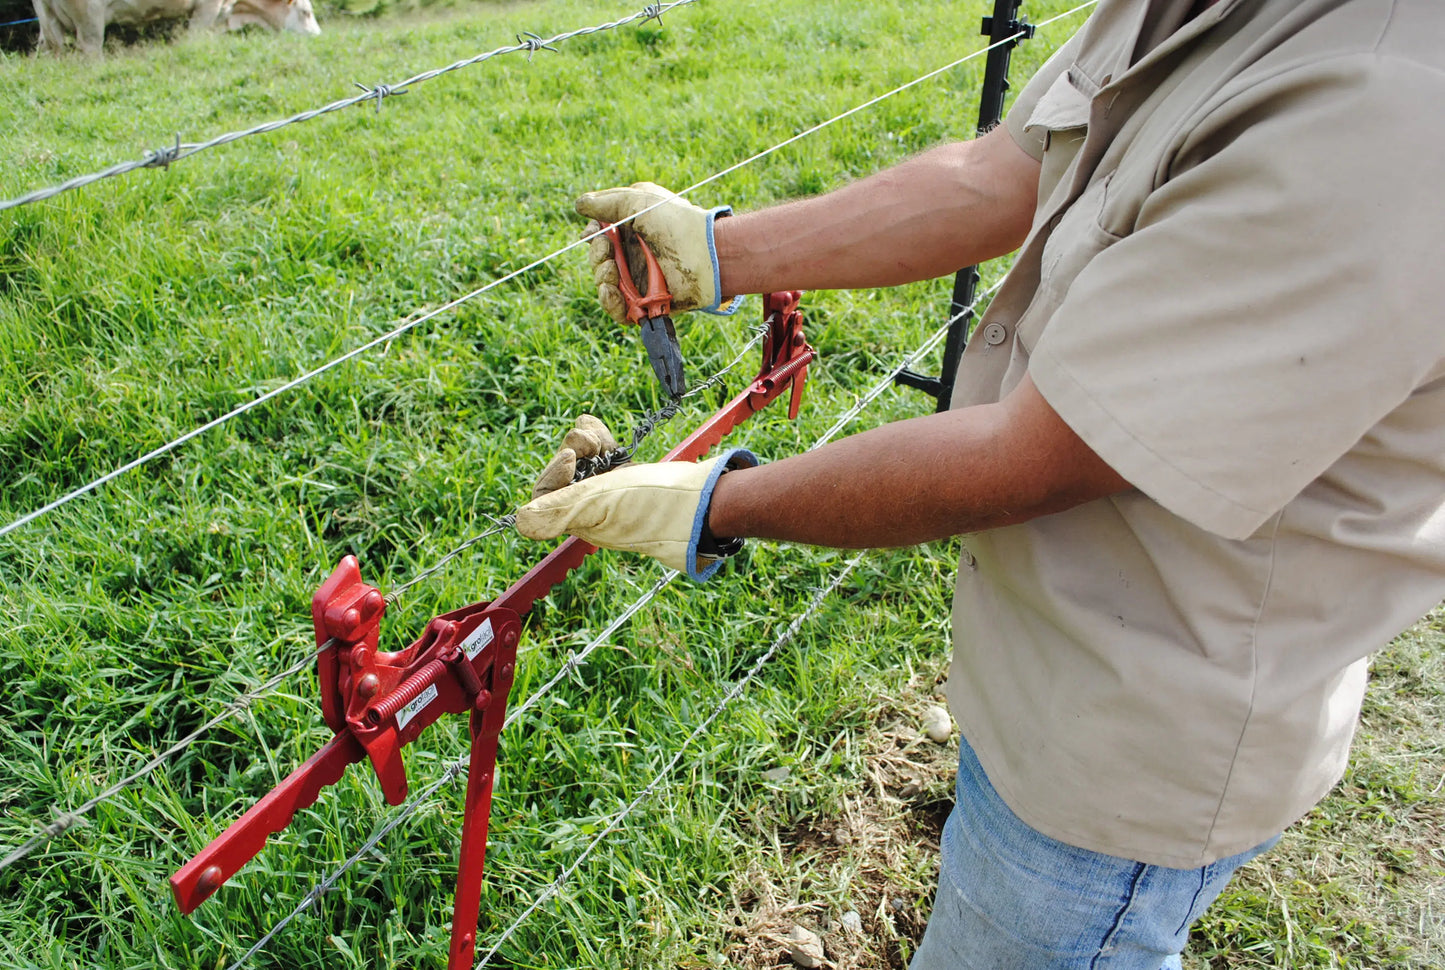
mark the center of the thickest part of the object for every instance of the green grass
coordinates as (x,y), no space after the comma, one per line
(135,309)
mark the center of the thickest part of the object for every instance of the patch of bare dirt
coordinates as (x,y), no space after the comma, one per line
(862,876)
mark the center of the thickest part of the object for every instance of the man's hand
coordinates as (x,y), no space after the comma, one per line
(681,237)
(658,509)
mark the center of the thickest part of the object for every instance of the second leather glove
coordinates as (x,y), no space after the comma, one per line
(658,509)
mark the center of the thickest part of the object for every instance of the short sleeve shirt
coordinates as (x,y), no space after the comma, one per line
(1231,292)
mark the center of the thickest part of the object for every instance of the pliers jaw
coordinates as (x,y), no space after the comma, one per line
(652,312)
(660,339)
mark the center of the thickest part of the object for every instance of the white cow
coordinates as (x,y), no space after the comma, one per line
(85,20)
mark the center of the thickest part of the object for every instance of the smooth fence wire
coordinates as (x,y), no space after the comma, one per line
(430,314)
(574,663)
(651,787)
(528,43)
(64,820)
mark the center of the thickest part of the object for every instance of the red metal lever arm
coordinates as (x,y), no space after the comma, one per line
(365,692)
(233,848)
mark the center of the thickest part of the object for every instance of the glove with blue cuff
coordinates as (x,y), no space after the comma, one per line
(680,235)
(658,509)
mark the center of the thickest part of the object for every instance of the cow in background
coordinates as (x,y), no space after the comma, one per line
(85,20)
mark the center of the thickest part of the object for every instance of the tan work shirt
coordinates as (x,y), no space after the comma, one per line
(1232,292)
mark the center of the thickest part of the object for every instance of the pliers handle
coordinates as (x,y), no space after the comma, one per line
(658,301)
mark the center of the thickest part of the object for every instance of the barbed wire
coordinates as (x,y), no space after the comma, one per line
(65,820)
(651,787)
(575,661)
(453,304)
(527,42)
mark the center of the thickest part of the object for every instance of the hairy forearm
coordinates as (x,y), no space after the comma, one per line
(952,206)
(919,480)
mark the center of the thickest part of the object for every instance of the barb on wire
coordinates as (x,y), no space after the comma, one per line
(421,318)
(67,819)
(573,663)
(651,787)
(653,11)
(528,43)
(162,157)
(378,91)
(531,43)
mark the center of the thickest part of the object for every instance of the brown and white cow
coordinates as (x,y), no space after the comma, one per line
(84,21)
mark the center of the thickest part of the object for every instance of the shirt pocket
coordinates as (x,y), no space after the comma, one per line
(1063,115)
(1077,238)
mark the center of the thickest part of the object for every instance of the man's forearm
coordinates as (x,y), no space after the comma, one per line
(952,206)
(918,480)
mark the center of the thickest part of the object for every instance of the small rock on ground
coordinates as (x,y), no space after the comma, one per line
(805,948)
(937,724)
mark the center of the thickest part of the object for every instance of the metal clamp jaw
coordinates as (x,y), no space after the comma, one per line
(786,353)
(377,703)
(385,700)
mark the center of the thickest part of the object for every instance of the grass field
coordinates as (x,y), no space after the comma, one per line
(136,309)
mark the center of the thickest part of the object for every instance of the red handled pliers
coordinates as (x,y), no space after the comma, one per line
(653,313)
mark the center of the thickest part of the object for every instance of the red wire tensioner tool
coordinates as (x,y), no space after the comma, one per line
(652,313)
(377,702)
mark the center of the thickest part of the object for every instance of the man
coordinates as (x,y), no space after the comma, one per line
(1197,450)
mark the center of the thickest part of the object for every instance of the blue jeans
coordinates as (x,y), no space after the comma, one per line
(1011,898)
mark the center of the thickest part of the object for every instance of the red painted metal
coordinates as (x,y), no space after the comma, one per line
(465,660)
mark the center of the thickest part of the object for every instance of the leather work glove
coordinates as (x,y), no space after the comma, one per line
(680,235)
(589,438)
(657,509)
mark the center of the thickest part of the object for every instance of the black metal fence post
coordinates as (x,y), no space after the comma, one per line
(1004,30)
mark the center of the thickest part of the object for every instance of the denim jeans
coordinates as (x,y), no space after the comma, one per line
(1011,898)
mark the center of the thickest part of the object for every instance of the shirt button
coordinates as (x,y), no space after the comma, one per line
(995,334)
